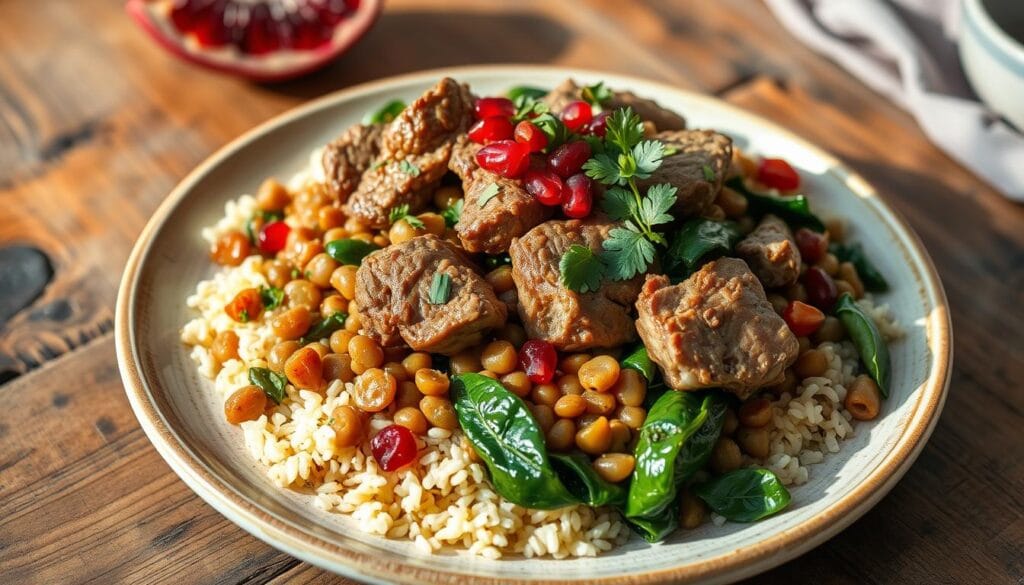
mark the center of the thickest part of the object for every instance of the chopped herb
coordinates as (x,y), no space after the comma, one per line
(243,316)
(670,150)
(271,296)
(400,212)
(709,173)
(324,328)
(385,113)
(408,168)
(264,217)
(330,421)
(553,128)
(581,269)
(272,383)
(597,94)
(626,252)
(453,214)
(489,192)
(377,165)
(308,275)
(440,288)
(294,273)
(525,91)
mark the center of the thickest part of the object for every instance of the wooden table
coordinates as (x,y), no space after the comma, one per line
(97,124)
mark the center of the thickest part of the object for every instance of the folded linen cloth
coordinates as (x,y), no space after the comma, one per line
(906,50)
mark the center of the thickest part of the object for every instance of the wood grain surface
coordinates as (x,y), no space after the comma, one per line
(97,124)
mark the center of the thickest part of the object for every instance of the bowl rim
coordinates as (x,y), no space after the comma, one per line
(993,36)
(783,546)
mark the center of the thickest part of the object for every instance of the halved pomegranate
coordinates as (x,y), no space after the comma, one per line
(264,40)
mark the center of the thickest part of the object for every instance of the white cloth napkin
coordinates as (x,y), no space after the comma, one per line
(906,50)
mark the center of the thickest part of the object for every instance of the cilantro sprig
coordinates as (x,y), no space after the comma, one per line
(400,212)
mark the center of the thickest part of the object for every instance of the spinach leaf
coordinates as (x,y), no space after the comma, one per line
(508,439)
(639,360)
(385,113)
(874,353)
(324,328)
(744,495)
(854,254)
(698,241)
(579,477)
(272,383)
(350,251)
(793,209)
(530,93)
(657,527)
(697,449)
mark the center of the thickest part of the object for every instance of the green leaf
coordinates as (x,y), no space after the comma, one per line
(744,495)
(581,269)
(603,169)
(509,441)
(648,155)
(698,241)
(639,360)
(400,212)
(271,296)
(578,476)
(709,173)
(272,383)
(656,203)
(626,254)
(324,328)
(385,113)
(597,94)
(624,129)
(870,344)
(525,91)
(553,128)
(453,214)
(266,217)
(489,192)
(657,527)
(440,289)
(408,168)
(793,209)
(854,254)
(350,251)
(619,204)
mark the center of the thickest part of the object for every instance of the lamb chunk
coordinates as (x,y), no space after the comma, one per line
(346,158)
(771,252)
(715,329)
(511,213)
(569,320)
(393,293)
(696,169)
(414,153)
(648,110)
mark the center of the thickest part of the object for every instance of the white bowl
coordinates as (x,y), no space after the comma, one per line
(992,59)
(184,420)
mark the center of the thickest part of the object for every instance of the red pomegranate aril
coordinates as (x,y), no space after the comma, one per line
(580,197)
(545,186)
(812,245)
(538,359)
(490,107)
(777,174)
(273,236)
(599,125)
(576,115)
(530,135)
(507,158)
(802,318)
(490,130)
(568,159)
(393,447)
(821,289)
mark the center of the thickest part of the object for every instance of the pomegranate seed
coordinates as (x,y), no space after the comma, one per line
(489,107)
(538,359)
(580,196)
(821,289)
(812,245)
(491,130)
(532,136)
(393,447)
(599,125)
(777,174)
(272,237)
(545,186)
(568,159)
(507,158)
(576,115)
(802,318)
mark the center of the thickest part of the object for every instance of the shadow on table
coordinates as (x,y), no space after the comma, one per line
(406,41)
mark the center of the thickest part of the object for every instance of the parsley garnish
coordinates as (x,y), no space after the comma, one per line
(709,173)
(453,214)
(581,269)
(440,289)
(330,420)
(489,192)
(400,212)
(243,316)
(408,168)
(596,94)
(271,296)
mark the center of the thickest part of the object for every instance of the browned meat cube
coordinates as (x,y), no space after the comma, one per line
(569,320)
(348,156)
(648,110)
(696,168)
(771,252)
(510,213)
(715,329)
(393,294)
(414,154)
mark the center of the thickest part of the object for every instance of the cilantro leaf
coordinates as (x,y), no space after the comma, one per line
(581,269)
(528,107)
(626,254)
(525,91)
(489,192)
(553,128)
(603,169)
(596,94)
(648,155)
(709,173)
(385,113)
(408,168)
(400,212)
(453,214)
(619,204)
(655,206)
(271,296)
(624,129)
(440,289)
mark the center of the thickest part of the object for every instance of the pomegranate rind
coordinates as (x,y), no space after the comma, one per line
(274,66)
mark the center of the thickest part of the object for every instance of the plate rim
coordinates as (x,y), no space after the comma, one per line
(783,546)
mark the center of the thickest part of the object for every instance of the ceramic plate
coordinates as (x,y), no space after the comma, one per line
(184,420)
